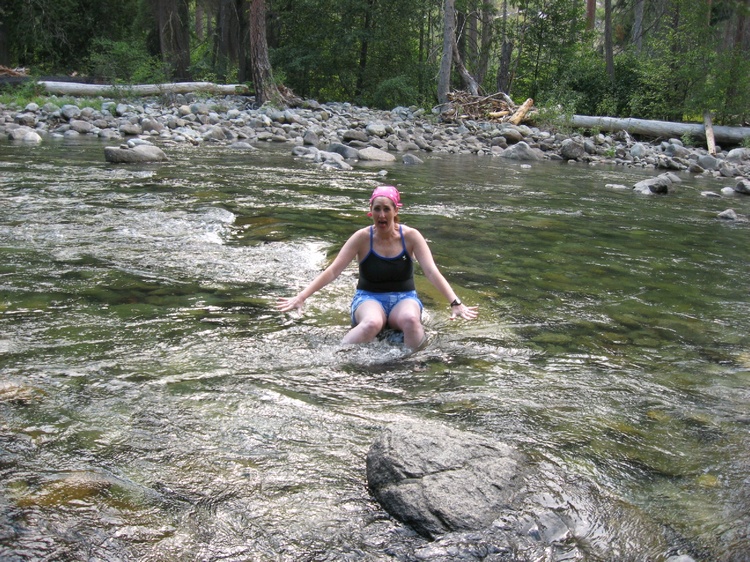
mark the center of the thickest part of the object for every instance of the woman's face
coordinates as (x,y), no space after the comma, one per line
(383,212)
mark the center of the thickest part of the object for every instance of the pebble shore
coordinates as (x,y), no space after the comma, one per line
(336,134)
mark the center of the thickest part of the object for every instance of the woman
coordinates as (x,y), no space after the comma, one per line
(386,296)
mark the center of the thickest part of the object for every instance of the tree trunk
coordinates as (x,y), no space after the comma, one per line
(364,47)
(173,17)
(4,51)
(486,41)
(468,80)
(265,86)
(77,89)
(506,50)
(659,129)
(637,37)
(609,57)
(590,14)
(244,62)
(449,38)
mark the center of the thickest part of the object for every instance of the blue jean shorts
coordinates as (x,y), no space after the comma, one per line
(386,300)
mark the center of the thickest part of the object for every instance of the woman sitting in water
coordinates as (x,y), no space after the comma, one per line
(386,296)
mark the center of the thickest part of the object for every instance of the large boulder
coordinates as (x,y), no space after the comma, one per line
(663,183)
(138,153)
(480,499)
(521,151)
(571,150)
(375,154)
(440,480)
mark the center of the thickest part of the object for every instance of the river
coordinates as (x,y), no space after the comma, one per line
(156,407)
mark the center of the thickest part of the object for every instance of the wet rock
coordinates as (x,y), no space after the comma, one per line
(24,134)
(70,111)
(81,126)
(479,499)
(662,184)
(375,154)
(743,186)
(348,152)
(738,155)
(138,153)
(708,162)
(411,159)
(571,150)
(521,151)
(439,480)
(729,214)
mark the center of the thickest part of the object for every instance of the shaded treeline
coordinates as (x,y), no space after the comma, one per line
(658,59)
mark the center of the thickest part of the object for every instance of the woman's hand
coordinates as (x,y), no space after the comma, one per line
(285,305)
(463,311)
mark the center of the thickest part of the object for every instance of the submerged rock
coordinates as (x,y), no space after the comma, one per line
(479,499)
(137,153)
(439,480)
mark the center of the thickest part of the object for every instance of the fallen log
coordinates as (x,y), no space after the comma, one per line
(710,138)
(659,129)
(521,112)
(79,89)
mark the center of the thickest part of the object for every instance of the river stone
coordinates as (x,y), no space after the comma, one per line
(708,162)
(571,150)
(139,153)
(743,186)
(411,159)
(24,134)
(521,151)
(80,126)
(354,135)
(376,155)
(25,119)
(729,215)
(738,154)
(348,152)
(438,480)
(660,184)
(70,111)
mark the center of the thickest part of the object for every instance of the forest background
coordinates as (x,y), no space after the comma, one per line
(653,59)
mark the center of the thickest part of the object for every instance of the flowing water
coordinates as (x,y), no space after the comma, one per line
(156,407)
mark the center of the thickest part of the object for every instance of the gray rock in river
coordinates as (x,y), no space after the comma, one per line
(480,499)
(439,480)
(743,186)
(138,153)
(521,151)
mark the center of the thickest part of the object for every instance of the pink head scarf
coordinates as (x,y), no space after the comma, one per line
(387,191)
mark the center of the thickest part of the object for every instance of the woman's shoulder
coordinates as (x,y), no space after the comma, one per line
(410,232)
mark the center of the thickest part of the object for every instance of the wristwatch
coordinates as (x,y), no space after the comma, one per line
(456,302)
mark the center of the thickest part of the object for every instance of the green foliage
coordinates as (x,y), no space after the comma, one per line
(393,92)
(125,61)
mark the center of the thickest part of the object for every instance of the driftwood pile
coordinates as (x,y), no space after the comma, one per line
(15,72)
(498,108)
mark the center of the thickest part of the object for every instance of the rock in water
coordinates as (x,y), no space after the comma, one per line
(438,480)
(138,153)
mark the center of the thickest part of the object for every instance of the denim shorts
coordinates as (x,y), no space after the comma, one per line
(386,300)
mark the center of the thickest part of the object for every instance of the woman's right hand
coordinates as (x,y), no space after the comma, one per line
(285,305)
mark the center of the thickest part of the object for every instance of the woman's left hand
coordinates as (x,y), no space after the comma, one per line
(463,311)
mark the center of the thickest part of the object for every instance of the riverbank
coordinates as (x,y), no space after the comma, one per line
(355,133)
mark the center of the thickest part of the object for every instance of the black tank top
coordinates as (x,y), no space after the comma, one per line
(379,274)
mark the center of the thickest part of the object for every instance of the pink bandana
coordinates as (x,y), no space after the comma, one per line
(387,191)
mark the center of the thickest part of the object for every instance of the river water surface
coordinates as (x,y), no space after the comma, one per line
(156,407)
